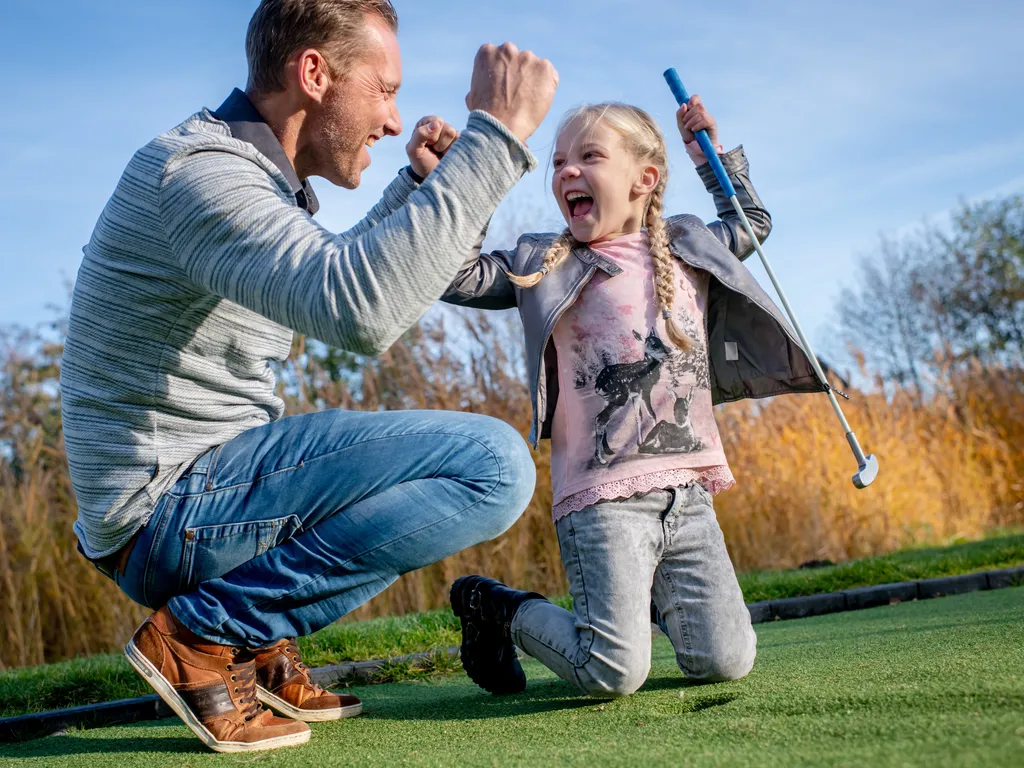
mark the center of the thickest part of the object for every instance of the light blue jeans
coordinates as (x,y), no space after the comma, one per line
(657,556)
(290,526)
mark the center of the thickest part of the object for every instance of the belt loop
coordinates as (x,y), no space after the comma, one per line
(211,468)
(671,515)
(677,500)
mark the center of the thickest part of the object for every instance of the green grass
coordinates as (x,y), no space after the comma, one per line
(383,638)
(935,683)
(105,678)
(1000,551)
(68,684)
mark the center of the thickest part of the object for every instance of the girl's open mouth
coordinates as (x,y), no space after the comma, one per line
(580,204)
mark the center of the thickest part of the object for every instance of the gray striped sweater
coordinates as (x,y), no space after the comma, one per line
(198,270)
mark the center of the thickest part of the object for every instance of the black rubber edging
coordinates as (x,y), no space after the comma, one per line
(38,724)
(883,594)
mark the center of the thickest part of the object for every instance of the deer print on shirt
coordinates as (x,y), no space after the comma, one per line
(679,437)
(618,383)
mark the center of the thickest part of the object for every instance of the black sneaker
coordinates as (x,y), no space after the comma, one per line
(485,608)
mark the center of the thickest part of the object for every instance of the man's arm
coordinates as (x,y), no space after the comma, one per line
(430,140)
(395,196)
(233,232)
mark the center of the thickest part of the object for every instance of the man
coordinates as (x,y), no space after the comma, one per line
(245,529)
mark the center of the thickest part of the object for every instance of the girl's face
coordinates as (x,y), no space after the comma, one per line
(601,189)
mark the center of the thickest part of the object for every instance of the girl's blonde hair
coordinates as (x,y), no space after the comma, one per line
(641,137)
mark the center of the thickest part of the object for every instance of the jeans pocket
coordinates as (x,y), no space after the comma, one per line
(211,551)
(705,494)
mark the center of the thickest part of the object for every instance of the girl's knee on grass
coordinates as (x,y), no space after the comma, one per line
(602,680)
(724,661)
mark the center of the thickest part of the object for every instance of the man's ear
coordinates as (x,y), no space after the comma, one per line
(646,181)
(312,73)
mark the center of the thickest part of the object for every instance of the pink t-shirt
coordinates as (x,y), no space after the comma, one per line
(634,411)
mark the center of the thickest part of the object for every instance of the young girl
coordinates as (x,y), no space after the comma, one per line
(635,326)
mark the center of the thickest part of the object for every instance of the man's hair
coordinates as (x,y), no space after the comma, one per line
(279,28)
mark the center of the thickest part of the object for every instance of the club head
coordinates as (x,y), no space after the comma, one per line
(866,475)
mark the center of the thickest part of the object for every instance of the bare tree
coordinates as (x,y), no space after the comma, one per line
(880,317)
(946,295)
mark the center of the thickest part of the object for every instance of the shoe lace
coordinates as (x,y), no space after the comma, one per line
(243,675)
(292,651)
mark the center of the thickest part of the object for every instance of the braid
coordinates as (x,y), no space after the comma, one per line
(664,274)
(559,249)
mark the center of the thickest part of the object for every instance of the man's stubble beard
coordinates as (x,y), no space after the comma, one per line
(339,142)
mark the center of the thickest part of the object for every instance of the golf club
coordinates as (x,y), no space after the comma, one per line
(867,466)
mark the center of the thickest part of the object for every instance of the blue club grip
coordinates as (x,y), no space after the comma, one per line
(679,91)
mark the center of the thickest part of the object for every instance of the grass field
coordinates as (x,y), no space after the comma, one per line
(109,677)
(935,683)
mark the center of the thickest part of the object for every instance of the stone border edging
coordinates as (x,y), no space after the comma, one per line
(151,707)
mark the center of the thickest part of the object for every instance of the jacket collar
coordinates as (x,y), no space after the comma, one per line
(247,124)
(685,235)
(594,259)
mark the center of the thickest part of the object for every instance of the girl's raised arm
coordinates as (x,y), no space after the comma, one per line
(691,118)
(482,281)
(728,228)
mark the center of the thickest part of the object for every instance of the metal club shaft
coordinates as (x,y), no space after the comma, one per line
(867,466)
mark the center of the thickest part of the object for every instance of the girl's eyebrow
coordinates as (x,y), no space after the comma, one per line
(582,148)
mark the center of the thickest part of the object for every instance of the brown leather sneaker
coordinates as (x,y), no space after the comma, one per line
(285,685)
(211,687)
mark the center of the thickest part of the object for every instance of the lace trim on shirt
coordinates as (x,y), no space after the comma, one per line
(713,479)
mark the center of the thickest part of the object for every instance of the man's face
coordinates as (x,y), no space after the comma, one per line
(359,108)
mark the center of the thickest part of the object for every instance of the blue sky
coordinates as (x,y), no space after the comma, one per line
(858,118)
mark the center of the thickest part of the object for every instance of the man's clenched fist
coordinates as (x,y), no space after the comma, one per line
(514,86)
(430,139)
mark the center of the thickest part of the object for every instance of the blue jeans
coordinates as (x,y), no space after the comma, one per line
(662,547)
(291,525)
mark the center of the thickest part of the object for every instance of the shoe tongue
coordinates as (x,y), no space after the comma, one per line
(245,656)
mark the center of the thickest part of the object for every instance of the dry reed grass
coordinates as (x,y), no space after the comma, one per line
(951,466)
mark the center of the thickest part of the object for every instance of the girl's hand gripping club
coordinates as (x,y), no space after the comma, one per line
(867,466)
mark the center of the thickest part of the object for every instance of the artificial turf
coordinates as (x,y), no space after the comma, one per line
(109,677)
(933,683)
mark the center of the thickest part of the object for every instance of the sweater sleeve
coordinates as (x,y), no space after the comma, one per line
(395,196)
(235,232)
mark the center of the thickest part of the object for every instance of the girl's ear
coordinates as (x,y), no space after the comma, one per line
(646,181)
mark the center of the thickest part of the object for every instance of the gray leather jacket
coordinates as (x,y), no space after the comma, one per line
(752,350)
